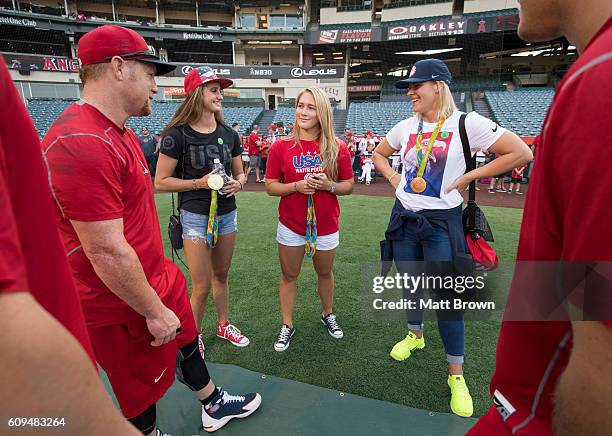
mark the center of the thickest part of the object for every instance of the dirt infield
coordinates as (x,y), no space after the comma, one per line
(381,187)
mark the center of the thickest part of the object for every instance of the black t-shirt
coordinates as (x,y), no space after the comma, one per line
(195,153)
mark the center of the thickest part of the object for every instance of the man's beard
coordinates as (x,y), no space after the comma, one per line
(145,110)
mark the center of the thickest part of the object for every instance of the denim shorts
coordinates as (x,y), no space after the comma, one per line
(255,160)
(195,224)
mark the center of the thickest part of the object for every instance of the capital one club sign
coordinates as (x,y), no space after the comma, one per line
(17,21)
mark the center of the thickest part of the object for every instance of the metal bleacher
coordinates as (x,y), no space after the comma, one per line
(44,112)
(521,111)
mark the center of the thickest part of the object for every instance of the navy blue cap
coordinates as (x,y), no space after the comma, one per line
(424,71)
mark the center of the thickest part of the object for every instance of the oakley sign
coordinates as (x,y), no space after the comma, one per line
(425,30)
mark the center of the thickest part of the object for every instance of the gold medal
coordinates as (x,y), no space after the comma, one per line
(215,182)
(418,184)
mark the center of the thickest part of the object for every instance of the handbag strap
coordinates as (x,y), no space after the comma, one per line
(470,164)
(183,147)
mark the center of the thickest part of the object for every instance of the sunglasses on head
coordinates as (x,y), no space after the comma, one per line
(135,54)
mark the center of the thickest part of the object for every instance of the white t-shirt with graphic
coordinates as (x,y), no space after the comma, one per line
(445,163)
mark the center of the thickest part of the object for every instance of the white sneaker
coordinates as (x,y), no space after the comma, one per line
(284,338)
(225,407)
(333,328)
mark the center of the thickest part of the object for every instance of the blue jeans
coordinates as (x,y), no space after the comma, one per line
(195,224)
(437,247)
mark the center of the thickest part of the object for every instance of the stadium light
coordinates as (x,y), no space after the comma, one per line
(428,52)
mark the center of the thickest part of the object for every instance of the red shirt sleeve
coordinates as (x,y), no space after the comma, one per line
(584,181)
(574,178)
(345,169)
(274,166)
(12,272)
(93,189)
(29,228)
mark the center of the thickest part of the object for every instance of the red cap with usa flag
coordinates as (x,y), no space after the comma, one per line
(201,75)
(105,42)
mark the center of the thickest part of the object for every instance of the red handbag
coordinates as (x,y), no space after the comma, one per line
(475,225)
(485,258)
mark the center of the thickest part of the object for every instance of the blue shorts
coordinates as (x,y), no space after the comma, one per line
(195,224)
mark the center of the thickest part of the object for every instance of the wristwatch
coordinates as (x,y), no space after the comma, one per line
(333,188)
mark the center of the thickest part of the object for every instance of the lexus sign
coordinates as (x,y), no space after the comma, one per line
(298,72)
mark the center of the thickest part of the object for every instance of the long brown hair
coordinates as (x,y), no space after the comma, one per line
(327,139)
(191,110)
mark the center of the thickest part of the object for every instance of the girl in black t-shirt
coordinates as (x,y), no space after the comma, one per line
(195,137)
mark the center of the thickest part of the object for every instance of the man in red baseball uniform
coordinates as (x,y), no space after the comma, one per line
(135,301)
(39,306)
(556,377)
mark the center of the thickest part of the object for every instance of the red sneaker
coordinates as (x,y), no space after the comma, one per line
(232,334)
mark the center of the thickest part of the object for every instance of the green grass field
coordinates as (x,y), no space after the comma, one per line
(359,363)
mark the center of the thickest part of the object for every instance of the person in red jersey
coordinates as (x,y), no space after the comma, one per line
(254,143)
(135,301)
(39,306)
(556,377)
(308,170)
(517,178)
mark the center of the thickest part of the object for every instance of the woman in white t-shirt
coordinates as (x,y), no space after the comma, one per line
(425,223)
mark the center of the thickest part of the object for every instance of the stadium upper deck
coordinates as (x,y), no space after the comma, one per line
(353,49)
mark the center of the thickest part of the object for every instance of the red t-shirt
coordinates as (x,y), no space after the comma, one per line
(251,143)
(266,146)
(13,274)
(32,257)
(97,173)
(517,173)
(565,219)
(290,162)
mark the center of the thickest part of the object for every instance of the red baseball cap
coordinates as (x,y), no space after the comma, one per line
(101,44)
(369,132)
(201,75)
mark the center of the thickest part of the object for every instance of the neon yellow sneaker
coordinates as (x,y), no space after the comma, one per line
(461,400)
(403,349)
